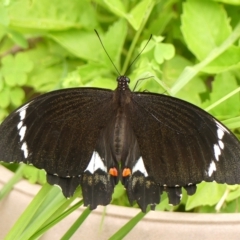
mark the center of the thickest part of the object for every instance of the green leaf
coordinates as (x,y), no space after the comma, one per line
(122,232)
(3,112)
(23,62)
(1,82)
(80,43)
(223,84)
(232,123)
(163,51)
(233,194)
(3,31)
(231,207)
(233,2)
(4,97)
(16,96)
(52,15)
(15,69)
(114,48)
(14,179)
(116,6)
(76,224)
(204,32)
(34,175)
(191,91)
(189,72)
(164,203)
(45,203)
(18,38)
(137,14)
(4,19)
(206,194)
(228,60)
(46,79)
(86,75)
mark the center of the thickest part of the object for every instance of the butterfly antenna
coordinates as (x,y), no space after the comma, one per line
(138,55)
(107,52)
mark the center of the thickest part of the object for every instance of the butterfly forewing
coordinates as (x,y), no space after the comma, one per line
(56,131)
(182,144)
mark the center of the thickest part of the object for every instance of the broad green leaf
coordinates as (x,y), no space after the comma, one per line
(18,38)
(4,19)
(204,32)
(231,207)
(114,48)
(52,63)
(232,123)
(206,194)
(73,79)
(47,79)
(87,46)
(233,194)
(189,72)
(87,76)
(116,6)
(223,84)
(137,14)
(164,203)
(82,44)
(191,91)
(233,2)
(52,15)
(158,22)
(3,31)
(228,60)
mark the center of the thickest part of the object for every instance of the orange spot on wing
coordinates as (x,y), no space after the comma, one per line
(113,172)
(126,172)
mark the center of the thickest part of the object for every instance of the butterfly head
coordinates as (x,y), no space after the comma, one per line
(123,82)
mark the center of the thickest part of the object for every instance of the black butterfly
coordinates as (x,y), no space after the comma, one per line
(93,137)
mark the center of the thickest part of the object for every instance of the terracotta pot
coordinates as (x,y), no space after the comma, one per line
(155,225)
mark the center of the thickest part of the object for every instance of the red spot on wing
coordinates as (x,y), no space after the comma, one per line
(113,172)
(126,172)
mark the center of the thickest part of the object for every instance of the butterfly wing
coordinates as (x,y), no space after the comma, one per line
(58,132)
(182,145)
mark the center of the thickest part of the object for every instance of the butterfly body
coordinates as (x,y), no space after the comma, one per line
(95,137)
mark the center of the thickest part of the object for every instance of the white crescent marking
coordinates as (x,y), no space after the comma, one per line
(95,163)
(217,151)
(212,168)
(22,132)
(24,148)
(139,166)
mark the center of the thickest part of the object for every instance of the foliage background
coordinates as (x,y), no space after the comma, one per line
(194,55)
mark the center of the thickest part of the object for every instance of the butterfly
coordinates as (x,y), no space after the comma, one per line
(95,137)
